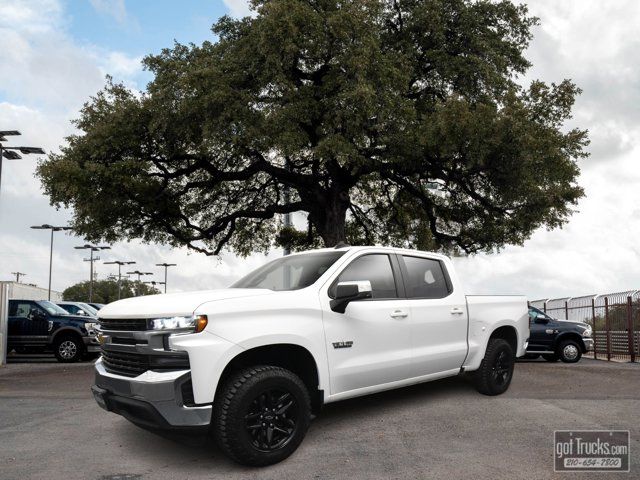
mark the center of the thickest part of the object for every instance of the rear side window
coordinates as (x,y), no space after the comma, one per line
(373,267)
(425,278)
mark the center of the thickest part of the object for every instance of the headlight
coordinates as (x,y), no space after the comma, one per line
(587,331)
(196,323)
(91,328)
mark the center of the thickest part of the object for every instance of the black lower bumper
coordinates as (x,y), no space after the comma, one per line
(136,411)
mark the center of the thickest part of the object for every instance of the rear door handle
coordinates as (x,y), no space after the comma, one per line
(398,314)
(457,311)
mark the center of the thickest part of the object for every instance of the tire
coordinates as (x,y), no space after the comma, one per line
(496,370)
(245,407)
(551,357)
(68,349)
(570,351)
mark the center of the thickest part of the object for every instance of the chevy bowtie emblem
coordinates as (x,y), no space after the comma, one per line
(347,344)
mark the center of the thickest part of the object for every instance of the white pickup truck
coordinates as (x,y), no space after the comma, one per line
(253,362)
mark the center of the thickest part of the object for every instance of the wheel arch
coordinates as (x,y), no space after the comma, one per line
(66,331)
(291,356)
(569,336)
(508,333)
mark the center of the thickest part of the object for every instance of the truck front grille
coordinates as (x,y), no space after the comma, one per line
(128,364)
(123,324)
(132,364)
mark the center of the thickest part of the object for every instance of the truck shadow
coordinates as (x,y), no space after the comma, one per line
(186,448)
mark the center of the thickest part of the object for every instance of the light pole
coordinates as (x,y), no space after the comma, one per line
(10,152)
(166,266)
(46,226)
(154,283)
(120,263)
(140,274)
(18,275)
(92,248)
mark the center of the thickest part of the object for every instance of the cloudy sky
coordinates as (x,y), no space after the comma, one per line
(56,53)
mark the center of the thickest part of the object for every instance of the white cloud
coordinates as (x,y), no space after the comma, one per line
(239,8)
(113,8)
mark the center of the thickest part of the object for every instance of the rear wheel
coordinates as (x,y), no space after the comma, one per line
(261,415)
(570,351)
(496,370)
(68,349)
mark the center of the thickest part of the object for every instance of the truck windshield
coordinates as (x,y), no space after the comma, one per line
(290,273)
(52,308)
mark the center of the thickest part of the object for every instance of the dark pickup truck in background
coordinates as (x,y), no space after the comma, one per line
(37,326)
(557,339)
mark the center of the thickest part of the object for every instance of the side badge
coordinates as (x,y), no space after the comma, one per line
(347,344)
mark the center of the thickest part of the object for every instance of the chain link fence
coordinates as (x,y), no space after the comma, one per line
(614,317)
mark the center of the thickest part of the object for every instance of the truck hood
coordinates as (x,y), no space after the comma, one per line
(572,322)
(173,304)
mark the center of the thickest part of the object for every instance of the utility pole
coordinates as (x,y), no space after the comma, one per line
(140,274)
(92,248)
(120,263)
(166,265)
(53,229)
(18,275)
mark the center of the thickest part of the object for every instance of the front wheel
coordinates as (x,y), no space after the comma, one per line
(261,415)
(570,351)
(68,349)
(496,370)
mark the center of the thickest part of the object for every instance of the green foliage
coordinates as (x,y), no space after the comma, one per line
(394,122)
(106,291)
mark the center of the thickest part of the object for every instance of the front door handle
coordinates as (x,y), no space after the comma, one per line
(398,314)
(457,311)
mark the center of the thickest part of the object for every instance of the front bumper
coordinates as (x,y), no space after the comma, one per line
(588,344)
(91,344)
(153,399)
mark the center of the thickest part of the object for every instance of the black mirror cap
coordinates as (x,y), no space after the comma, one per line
(339,305)
(349,290)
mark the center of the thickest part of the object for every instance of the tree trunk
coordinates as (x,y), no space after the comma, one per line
(330,217)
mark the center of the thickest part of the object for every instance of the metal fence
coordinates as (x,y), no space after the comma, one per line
(614,317)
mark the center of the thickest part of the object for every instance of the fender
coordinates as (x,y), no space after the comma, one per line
(67,329)
(319,355)
(572,335)
(479,340)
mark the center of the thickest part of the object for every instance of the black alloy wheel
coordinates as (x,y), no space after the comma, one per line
(502,368)
(272,419)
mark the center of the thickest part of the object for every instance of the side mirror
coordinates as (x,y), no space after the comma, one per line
(37,315)
(348,292)
(81,312)
(541,320)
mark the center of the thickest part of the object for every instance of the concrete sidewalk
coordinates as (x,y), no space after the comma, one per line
(52,429)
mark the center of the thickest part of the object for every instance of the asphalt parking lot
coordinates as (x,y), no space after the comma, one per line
(52,429)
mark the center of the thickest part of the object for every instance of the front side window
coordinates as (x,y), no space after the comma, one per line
(373,267)
(52,308)
(426,278)
(534,313)
(290,273)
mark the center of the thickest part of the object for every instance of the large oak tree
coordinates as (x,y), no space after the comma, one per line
(401,122)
